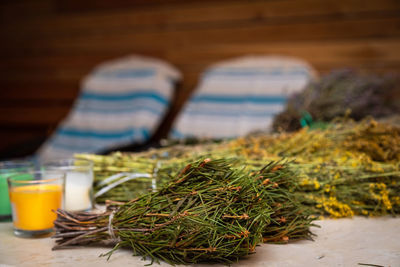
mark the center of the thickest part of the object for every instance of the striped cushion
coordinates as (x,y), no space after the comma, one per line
(121,102)
(240,96)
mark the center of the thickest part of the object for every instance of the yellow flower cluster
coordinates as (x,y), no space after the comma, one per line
(364,212)
(335,208)
(329,188)
(310,183)
(396,200)
(382,195)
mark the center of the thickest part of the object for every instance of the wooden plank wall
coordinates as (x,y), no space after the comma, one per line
(49,45)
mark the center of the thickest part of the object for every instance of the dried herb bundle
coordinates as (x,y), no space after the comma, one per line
(122,177)
(336,93)
(210,211)
(350,168)
(368,140)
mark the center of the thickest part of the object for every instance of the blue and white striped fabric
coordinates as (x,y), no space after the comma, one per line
(121,102)
(239,96)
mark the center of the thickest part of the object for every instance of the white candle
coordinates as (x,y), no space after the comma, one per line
(78,190)
(78,182)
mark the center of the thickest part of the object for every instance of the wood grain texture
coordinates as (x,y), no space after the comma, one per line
(48,46)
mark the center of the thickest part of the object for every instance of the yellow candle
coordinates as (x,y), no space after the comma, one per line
(32,205)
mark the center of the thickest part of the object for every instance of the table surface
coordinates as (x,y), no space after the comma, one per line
(341,242)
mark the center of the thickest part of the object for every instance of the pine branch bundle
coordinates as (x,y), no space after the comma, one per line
(209,212)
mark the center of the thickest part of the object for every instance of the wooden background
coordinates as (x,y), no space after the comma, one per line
(47,46)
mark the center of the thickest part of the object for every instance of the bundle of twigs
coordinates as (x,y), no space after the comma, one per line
(210,211)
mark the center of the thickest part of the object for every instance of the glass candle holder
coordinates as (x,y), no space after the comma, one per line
(8,168)
(78,182)
(34,196)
